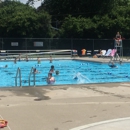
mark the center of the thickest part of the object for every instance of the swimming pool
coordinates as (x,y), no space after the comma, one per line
(71,72)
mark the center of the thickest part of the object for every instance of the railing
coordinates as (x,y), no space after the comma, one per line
(34,77)
(18,74)
(30,54)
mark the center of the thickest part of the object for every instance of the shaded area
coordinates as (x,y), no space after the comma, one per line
(28,91)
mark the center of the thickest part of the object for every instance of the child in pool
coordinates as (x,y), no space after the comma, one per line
(50,79)
(52,70)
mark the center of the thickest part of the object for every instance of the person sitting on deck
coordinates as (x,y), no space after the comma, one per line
(99,54)
(83,52)
(74,53)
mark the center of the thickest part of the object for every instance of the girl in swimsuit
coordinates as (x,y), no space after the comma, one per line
(50,79)
(118,38)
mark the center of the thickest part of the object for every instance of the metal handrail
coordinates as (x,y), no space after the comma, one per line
(18,74)
(36,50)
(32,72)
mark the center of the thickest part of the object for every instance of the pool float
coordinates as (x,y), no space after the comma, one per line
(3,123)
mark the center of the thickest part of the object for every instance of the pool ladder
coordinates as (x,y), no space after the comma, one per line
(18,74)
(34,77)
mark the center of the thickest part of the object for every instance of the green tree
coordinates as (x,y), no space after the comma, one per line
(100,26)
(20,20)
(77,27)
(85,8)
(60,9)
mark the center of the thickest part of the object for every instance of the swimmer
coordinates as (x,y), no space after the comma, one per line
(19,57)
(50,59)
(38,60)
(26,58)
(57,72)
(3,66)
(75,77)
(35,71)
(120,62)
(50,79)
(15,60)
(6,66)
(112,65)
(52,70)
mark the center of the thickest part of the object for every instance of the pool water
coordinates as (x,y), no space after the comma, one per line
(70,72)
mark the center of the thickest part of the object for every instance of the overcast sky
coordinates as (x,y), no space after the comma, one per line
(38,3)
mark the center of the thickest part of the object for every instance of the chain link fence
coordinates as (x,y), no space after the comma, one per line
(60,43)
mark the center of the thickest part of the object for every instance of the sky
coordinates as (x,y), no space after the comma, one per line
(36,4)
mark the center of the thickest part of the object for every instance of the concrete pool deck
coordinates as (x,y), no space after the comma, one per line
(117,124)
(67,107)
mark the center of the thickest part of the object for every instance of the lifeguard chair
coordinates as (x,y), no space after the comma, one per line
(118,42)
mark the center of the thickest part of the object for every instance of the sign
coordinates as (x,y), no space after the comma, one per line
(14,43)
(38,44)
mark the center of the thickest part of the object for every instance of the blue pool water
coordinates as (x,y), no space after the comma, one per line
(71,72)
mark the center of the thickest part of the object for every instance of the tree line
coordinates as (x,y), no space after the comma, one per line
(65,19)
